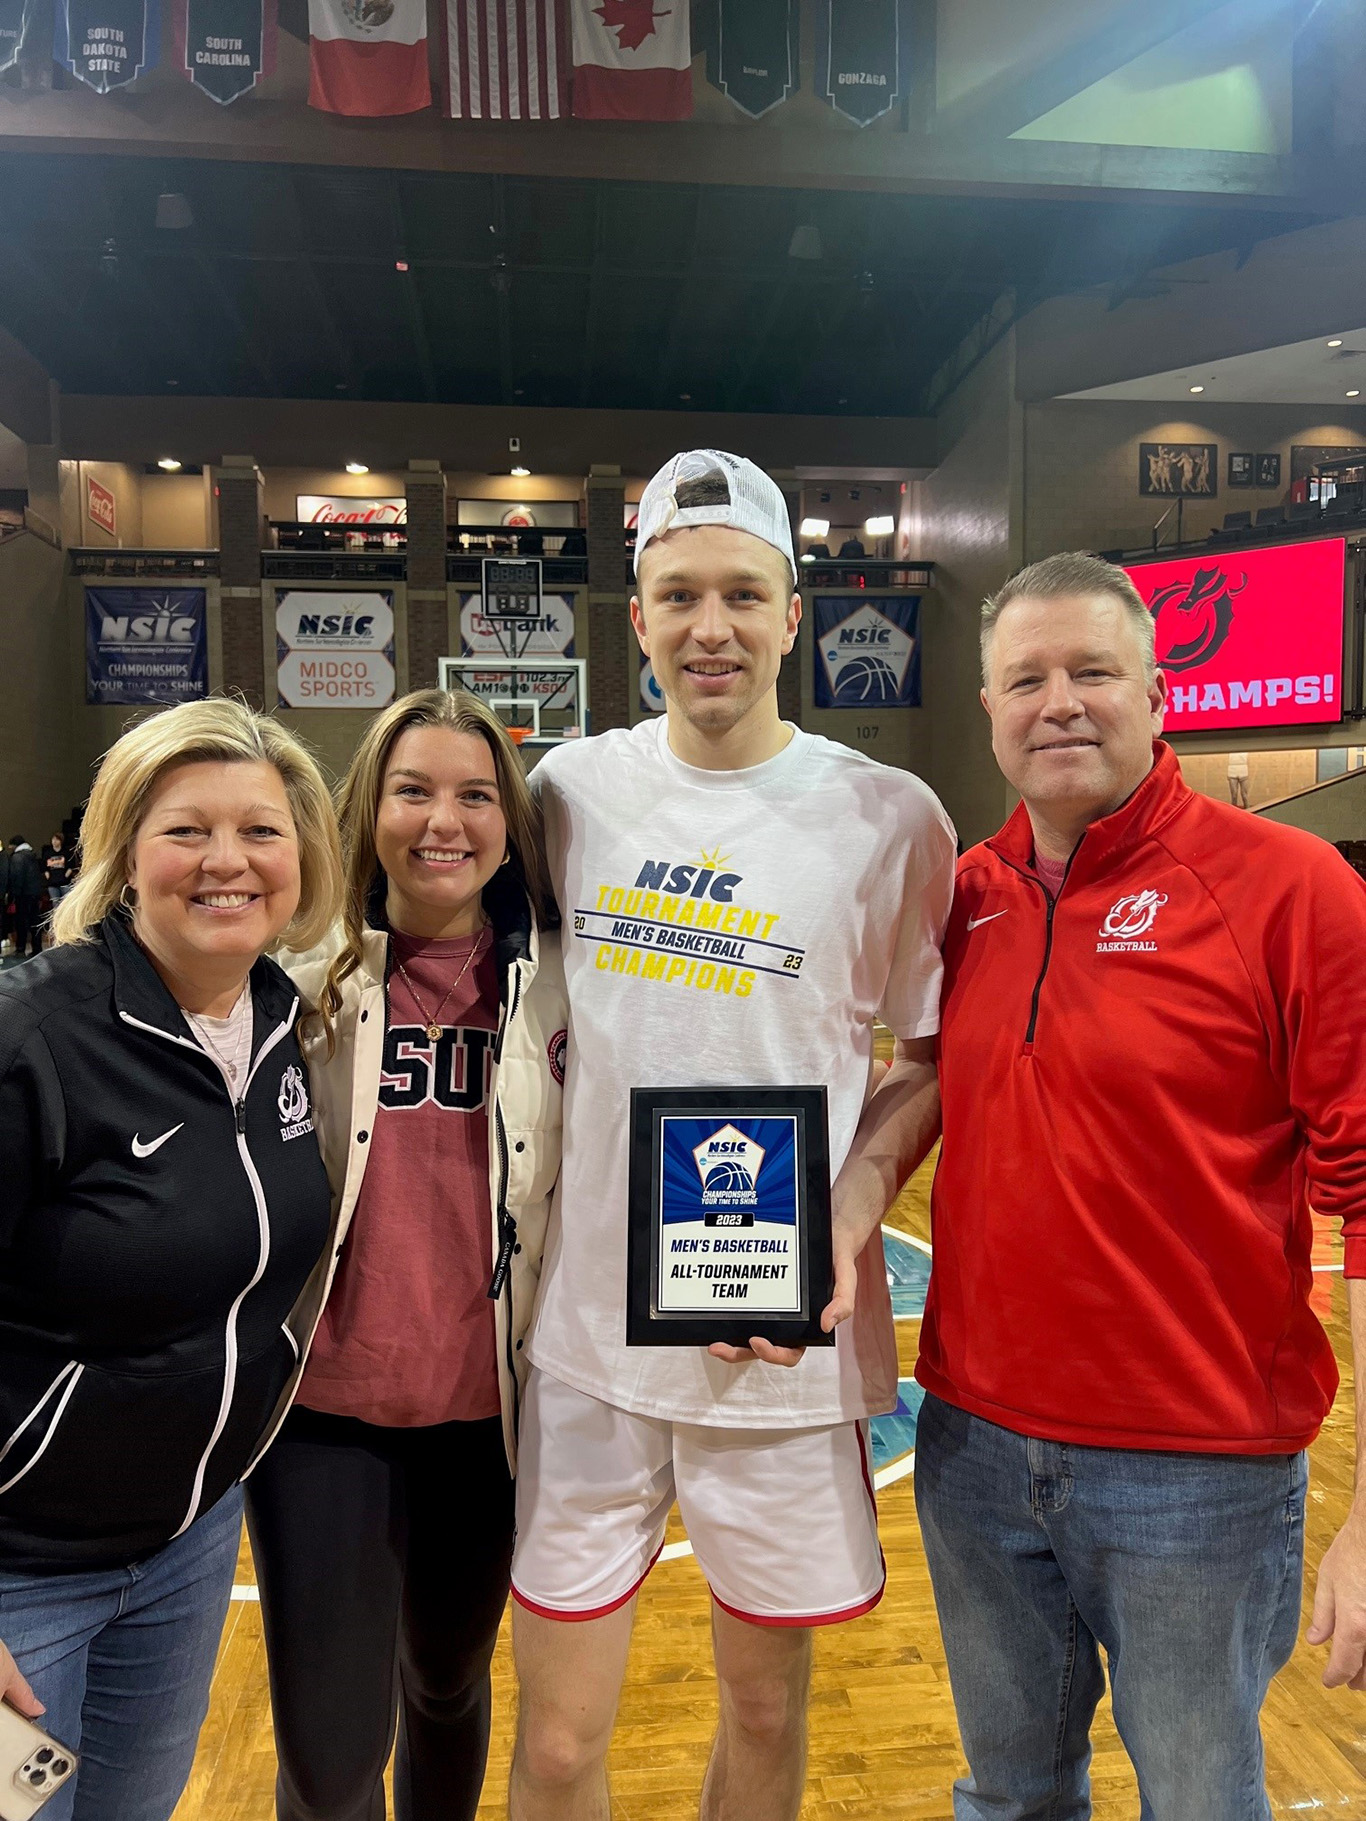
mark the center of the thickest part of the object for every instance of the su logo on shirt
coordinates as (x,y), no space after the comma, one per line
(453,1071)
(1127,923)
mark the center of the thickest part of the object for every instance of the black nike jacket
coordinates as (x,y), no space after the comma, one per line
(154,1238)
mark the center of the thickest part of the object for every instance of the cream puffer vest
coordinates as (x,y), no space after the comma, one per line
(525,1095)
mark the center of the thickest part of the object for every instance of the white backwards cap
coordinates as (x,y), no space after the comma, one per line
(752,502)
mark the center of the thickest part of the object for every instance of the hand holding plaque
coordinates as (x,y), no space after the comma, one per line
(729,1218)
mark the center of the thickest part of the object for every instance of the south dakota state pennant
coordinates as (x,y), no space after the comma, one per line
(106,43)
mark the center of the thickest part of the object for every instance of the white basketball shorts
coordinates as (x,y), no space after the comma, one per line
(782,1521)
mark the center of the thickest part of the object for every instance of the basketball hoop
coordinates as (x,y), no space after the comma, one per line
(518,734)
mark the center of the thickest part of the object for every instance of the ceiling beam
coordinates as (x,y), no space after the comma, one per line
(795,155)
(1024,92)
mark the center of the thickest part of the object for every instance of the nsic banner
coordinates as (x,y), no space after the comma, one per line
(224,47)
(548,634)
(334,649)
(15,16)
(867,651)
(861,55)
(145,645)
(1249,639)
(107,43)
(752,53)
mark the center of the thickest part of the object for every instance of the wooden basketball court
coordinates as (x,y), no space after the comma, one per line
(884,1746)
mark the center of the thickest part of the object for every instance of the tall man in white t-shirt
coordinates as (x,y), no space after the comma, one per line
(833,877)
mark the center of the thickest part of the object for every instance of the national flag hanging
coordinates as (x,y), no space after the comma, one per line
(752,52)
(632,59)
(107,43)
(225,46)
(861,48)
(368,57)
(507,59)
(14,23)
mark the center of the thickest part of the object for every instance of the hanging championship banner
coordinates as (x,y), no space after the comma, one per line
(860,46)
(146,645)
(107,43)
(14,21)
(867,651)
(752,53)
(224,47)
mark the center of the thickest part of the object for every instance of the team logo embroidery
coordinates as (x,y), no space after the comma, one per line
(557,1050)
(1128,921)
(292,1101)
(729,1164)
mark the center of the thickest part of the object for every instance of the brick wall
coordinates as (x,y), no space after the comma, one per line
(426,493)
(240,530)
(611,669)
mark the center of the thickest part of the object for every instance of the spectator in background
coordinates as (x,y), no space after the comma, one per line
(57,870)
(6,941)
(1237,780)
(26,894)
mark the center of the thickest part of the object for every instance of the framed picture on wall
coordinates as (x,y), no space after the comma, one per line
(1305,457)
(1241,470)
(1269,469)
(1178,470)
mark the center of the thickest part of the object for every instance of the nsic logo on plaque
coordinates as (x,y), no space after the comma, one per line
(335,649)
(729,1216)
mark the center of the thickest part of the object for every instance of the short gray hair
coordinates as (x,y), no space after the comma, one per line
(1073,572)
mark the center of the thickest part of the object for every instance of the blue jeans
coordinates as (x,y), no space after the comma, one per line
(1184,1568)
(122,1658)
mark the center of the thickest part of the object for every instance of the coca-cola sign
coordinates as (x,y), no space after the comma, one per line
(339,509)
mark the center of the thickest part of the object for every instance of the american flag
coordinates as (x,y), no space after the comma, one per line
(509,59)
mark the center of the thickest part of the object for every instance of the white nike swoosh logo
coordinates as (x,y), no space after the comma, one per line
(977,922)
(145,1150)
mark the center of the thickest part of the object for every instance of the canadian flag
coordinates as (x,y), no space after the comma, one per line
(632,59)
(368,56)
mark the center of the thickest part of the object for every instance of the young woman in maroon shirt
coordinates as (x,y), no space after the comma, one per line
(381,1521)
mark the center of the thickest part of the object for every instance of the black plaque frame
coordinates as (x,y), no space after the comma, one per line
(646,1324)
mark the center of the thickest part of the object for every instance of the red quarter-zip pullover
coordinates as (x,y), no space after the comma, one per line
(1145,1085)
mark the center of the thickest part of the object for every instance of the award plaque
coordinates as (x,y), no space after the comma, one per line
(729,1231)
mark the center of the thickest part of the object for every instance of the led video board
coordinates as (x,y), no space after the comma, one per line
(1249,638)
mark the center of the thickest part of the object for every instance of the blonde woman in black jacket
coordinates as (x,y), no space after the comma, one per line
(163,1207)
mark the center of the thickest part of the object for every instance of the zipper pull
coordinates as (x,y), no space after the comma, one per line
(508,1228)
(240,1109)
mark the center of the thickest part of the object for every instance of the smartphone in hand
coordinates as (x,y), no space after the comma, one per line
(33,1765)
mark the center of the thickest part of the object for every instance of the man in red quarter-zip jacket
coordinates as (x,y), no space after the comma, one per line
(1152,1062)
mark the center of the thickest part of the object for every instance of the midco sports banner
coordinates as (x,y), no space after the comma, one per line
(752,52)
(1252,638)
(15,16)
(145,645)
(861,48)
(224,47)
(867,651)
(106,43)
(334,648)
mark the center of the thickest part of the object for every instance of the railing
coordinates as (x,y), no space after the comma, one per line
(886,573)
(467,570)
(332,566)
(162,563)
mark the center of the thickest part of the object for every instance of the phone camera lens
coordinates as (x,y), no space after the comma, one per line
(43,1756)
(37,1776)
(62,1766)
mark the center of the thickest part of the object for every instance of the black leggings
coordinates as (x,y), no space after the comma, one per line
(383,1558)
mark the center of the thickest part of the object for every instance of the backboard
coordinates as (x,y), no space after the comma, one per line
(542,701)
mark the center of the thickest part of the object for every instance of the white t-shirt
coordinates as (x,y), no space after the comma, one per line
(830,879)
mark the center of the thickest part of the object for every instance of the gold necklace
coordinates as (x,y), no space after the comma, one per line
(433,1018)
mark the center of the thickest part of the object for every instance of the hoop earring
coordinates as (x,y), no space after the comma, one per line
(129,904)
(506,858)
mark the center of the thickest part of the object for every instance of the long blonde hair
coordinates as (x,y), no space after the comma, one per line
(219,729)
(358,802)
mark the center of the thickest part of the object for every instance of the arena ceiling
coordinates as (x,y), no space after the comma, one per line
(309,282)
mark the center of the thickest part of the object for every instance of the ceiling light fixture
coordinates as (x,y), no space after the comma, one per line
(1355,392)
(1336,342)
(169,463)
(1197,388)
(882,526)
(356,468)
(815,527)
(521,472)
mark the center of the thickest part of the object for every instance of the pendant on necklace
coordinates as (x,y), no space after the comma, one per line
(434,1032)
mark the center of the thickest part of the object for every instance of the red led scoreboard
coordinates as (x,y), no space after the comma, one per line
(1249,638)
